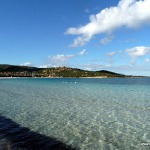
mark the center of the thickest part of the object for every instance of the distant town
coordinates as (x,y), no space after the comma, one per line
(26,71)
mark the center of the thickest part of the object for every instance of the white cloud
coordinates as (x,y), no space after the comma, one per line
(83,52)
(81,40)
(128,13)
(26,64)
(106,40)
(45,66)
(111,54)
(138,51)
(147,60)
(61,58)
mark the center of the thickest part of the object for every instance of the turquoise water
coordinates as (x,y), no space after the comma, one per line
(89,114)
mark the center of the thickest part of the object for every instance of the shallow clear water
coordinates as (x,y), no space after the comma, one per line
(90,114)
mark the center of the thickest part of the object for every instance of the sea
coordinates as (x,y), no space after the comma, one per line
(86,113)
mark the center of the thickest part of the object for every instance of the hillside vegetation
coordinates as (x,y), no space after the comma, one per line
(26,71)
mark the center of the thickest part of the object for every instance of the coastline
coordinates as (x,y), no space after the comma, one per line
(96,77)
(14,71)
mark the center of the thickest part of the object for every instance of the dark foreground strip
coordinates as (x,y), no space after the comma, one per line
(15,137)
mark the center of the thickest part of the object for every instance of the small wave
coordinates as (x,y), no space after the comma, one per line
(70,82)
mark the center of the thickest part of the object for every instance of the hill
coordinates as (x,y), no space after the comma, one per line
(26,71)
(13,68)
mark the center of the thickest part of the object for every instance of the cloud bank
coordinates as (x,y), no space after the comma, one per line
(106,40)
(128,13)
(26,64)
(138,51)
(62,59)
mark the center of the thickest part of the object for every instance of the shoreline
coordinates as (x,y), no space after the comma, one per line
(97,77)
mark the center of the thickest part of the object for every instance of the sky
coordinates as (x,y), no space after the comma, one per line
(85,34)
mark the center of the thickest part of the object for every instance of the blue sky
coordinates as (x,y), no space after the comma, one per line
(86,34)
